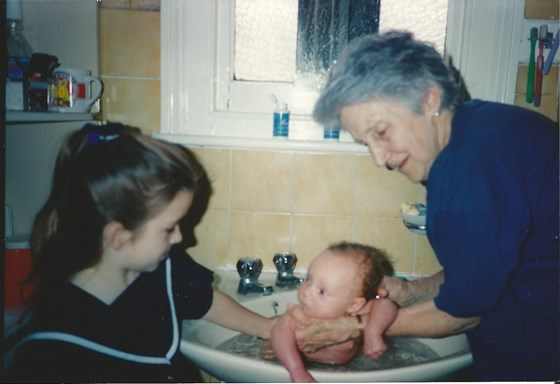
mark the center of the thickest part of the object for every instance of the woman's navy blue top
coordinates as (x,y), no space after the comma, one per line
(492,220)
(134,339)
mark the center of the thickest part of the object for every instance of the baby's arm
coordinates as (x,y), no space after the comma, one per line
(381,315)
(284,344)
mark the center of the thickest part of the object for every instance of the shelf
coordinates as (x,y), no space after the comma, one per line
(45,117)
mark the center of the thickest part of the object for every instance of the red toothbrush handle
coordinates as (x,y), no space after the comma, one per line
(538,77)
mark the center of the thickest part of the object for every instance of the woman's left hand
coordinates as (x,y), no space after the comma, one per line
(312,334)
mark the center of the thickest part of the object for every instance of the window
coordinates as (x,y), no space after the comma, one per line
(206,100)
(297,40)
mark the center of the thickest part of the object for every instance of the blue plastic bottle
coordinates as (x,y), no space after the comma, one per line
(281,121)
(331,133)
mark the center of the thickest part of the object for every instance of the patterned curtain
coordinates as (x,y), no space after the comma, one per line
(326,26)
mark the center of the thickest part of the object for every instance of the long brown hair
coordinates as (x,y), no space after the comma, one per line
(102,174)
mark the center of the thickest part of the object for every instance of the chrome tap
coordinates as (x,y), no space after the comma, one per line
(249,270)
(285,263)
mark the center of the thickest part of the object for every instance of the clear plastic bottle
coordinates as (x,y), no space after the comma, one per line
(19,56)
(16,43)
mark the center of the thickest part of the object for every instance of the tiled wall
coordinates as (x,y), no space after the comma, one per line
(129,33)
(549,92)
(263,202)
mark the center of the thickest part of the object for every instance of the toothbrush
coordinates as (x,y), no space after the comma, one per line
(551,54)
(543,32)
(531,72)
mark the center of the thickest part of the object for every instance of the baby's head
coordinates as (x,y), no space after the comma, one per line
(372,265)
(342,279)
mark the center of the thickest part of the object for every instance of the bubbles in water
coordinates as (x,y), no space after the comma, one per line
(401,352)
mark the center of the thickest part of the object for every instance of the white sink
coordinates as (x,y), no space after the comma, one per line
(200,339)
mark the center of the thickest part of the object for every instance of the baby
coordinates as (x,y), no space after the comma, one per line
(341,281)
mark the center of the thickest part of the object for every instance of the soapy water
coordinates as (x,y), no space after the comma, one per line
(401,352)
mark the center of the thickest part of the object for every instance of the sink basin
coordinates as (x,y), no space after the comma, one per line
(200,339)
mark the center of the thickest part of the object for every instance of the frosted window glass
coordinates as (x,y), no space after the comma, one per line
(427,19)
(265,40)
(266,33)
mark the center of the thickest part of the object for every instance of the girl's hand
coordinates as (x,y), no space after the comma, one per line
(270,323)
(266,352)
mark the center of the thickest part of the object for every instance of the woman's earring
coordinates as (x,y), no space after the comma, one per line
(436,114)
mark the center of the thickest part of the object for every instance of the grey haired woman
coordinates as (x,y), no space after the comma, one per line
(491,174)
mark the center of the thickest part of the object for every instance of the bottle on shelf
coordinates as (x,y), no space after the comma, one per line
(19,56)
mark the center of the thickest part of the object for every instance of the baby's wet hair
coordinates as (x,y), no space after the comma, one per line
(376,264)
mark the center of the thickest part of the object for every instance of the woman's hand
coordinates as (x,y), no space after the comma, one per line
(407,293)
(394,289)
(312,334)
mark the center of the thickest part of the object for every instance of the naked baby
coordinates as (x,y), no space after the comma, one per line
(341,281)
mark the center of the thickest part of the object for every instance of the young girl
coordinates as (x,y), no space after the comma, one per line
(110,292)
(341,281)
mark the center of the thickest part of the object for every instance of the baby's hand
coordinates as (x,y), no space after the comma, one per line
(374,347)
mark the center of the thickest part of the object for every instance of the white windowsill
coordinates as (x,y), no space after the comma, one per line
(199,105)
(263,144)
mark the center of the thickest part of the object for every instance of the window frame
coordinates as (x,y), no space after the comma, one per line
(202,105)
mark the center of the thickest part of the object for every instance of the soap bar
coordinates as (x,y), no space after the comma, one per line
(409,209)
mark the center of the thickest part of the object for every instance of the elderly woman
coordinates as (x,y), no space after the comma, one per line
(491,174)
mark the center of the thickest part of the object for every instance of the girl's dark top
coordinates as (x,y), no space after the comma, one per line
(134,339)
(492,220)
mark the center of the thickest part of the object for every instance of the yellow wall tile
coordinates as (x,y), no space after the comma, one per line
(548,107)
(549,92)
(426,261)
(212,236)
(541,9)
(129,43)
(313,233)
(122,4)
(381,192)
(262,181)
(132,102)
(253,226)
(216,163)
(259,235)
(391,235)
(549,83)
(324,183)
(147,5)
